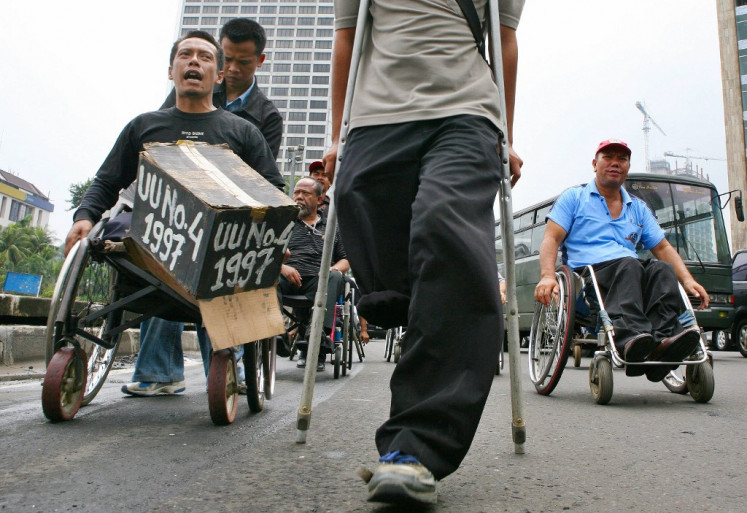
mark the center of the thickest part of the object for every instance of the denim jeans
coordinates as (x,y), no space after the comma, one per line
(161,358)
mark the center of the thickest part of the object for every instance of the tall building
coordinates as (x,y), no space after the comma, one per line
(296,71)
(19,199)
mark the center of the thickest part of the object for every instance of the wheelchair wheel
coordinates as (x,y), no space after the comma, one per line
(255,381)
(675,383)
(499,365)
(389,344)
(577,355)
(600,380)
(551,334)
(336,360)
(269,358)
(84,287)
(223,387)
(64,384)
(700,381)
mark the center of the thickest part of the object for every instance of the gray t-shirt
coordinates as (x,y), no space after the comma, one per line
(420,62)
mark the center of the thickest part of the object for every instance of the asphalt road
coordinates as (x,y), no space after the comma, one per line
(647,451)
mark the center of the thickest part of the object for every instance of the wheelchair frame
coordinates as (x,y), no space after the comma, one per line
(98,295)
(342,354)
(555,329)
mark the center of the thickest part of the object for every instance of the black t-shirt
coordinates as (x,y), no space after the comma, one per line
(119,169)
(306,244)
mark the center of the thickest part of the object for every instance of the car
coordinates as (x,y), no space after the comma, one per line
(738,333)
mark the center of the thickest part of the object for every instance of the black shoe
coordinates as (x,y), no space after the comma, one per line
(638,348)
(301,362)
(678,347)
(320,366)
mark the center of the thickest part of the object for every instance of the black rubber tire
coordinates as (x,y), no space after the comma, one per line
(64,384)
(223,389)
(336,360)
(551,334)
(254,370)
(675,383)
(388,349)
(577,350)
(700,381)
(741,335)
(720,340)
(602,386)
(269,362)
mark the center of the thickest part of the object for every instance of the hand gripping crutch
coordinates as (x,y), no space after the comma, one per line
(518,425)
(317,318)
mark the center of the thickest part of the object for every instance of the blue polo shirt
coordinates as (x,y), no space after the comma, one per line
(592,235)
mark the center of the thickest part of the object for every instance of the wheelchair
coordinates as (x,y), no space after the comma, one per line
(577,317)
(340,344)
(99,294)
(393,348)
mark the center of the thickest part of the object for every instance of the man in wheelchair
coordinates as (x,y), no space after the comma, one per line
(599,224)
(300,273)
(196,64)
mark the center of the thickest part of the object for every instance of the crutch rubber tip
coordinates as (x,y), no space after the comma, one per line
(518,448)
(300,436)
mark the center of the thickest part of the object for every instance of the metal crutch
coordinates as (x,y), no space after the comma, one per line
(518,425)
(317,320)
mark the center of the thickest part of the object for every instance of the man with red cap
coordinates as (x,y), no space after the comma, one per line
(316,171)
(600,224)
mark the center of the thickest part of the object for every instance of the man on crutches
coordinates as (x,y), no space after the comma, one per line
(415,194)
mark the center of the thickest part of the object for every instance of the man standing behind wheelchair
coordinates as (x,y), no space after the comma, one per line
(600,224)
(300,273)
(196,65)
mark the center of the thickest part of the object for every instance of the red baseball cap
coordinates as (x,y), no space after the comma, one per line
(315,165)
(613,142)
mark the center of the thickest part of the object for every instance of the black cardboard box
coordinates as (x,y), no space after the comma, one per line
(216,225)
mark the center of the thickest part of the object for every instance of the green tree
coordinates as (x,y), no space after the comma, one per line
(77,191)
(15,244)
(29,249)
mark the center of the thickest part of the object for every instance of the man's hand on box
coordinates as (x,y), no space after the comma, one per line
(291,274)
(79,230)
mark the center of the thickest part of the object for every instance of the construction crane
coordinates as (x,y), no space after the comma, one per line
(688,157)
(647,122)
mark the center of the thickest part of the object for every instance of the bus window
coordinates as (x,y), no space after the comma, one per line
(524,221)
(542,214)
(523,243)
(538,232)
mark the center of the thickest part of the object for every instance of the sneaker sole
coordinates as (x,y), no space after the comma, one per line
(160,391)
(397,491)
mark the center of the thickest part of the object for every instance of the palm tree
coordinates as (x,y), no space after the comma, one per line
(15,244)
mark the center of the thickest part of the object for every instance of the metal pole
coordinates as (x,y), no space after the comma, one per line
(518,424)
(317,320)
(292,183)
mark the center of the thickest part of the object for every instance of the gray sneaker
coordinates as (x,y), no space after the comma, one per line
(402,479)
(143,389)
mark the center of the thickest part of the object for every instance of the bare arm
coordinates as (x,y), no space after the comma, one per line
(510,49)
(666,253)
(341,265)
(548,284)
(341,56)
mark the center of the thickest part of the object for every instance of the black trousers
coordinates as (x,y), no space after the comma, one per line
(640,297)
(309,284)
(415,207)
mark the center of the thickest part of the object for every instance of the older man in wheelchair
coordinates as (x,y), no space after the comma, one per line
(300,273)
(600,225)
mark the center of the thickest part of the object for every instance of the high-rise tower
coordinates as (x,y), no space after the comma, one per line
(296,72)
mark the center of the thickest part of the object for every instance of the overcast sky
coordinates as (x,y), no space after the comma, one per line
(66,92)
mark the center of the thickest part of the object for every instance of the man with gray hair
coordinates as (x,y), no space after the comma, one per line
(300,273)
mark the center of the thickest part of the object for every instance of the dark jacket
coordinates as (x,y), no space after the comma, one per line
(259,110)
